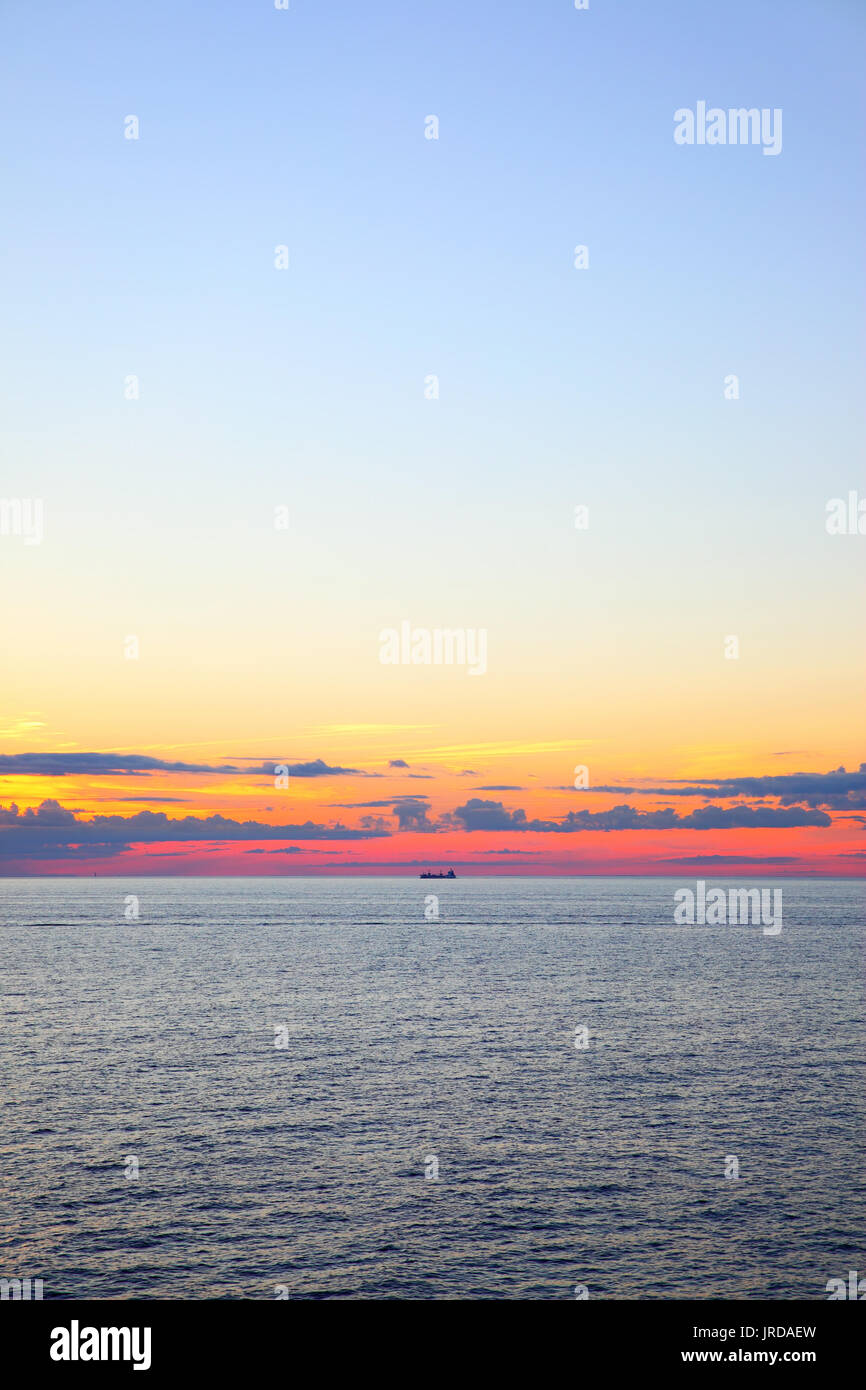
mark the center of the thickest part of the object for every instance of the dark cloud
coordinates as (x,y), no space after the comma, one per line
(838,790)
(140,765)
(156,800)
(397,762)
(639,791)
(385,801)
(502,788)
(317,768)
(523,853)
(52,828)
(730,859)
(478,814)
(410,811)
(290,849)
(412,815)
(184,854)
(95,765)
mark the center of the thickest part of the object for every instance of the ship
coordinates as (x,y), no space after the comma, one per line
(450,874)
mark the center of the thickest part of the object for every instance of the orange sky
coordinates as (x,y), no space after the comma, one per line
(407,818)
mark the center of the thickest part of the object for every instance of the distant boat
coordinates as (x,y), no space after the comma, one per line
(450,874)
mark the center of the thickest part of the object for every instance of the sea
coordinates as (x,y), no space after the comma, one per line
(318,1088)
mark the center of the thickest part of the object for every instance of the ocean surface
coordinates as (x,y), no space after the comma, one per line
(285,1058)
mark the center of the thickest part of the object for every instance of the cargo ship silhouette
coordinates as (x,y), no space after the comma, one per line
(450,874)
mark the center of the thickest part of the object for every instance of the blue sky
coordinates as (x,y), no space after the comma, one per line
(410,257)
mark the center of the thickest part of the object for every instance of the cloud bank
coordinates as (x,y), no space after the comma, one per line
(51,827)
(478,814)
(140,765)
(838,790)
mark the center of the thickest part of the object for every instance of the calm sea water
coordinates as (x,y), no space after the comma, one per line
(303,1165)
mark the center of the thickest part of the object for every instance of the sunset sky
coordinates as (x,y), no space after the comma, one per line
(307,389)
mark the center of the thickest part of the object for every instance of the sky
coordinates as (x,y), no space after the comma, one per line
(248,472)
